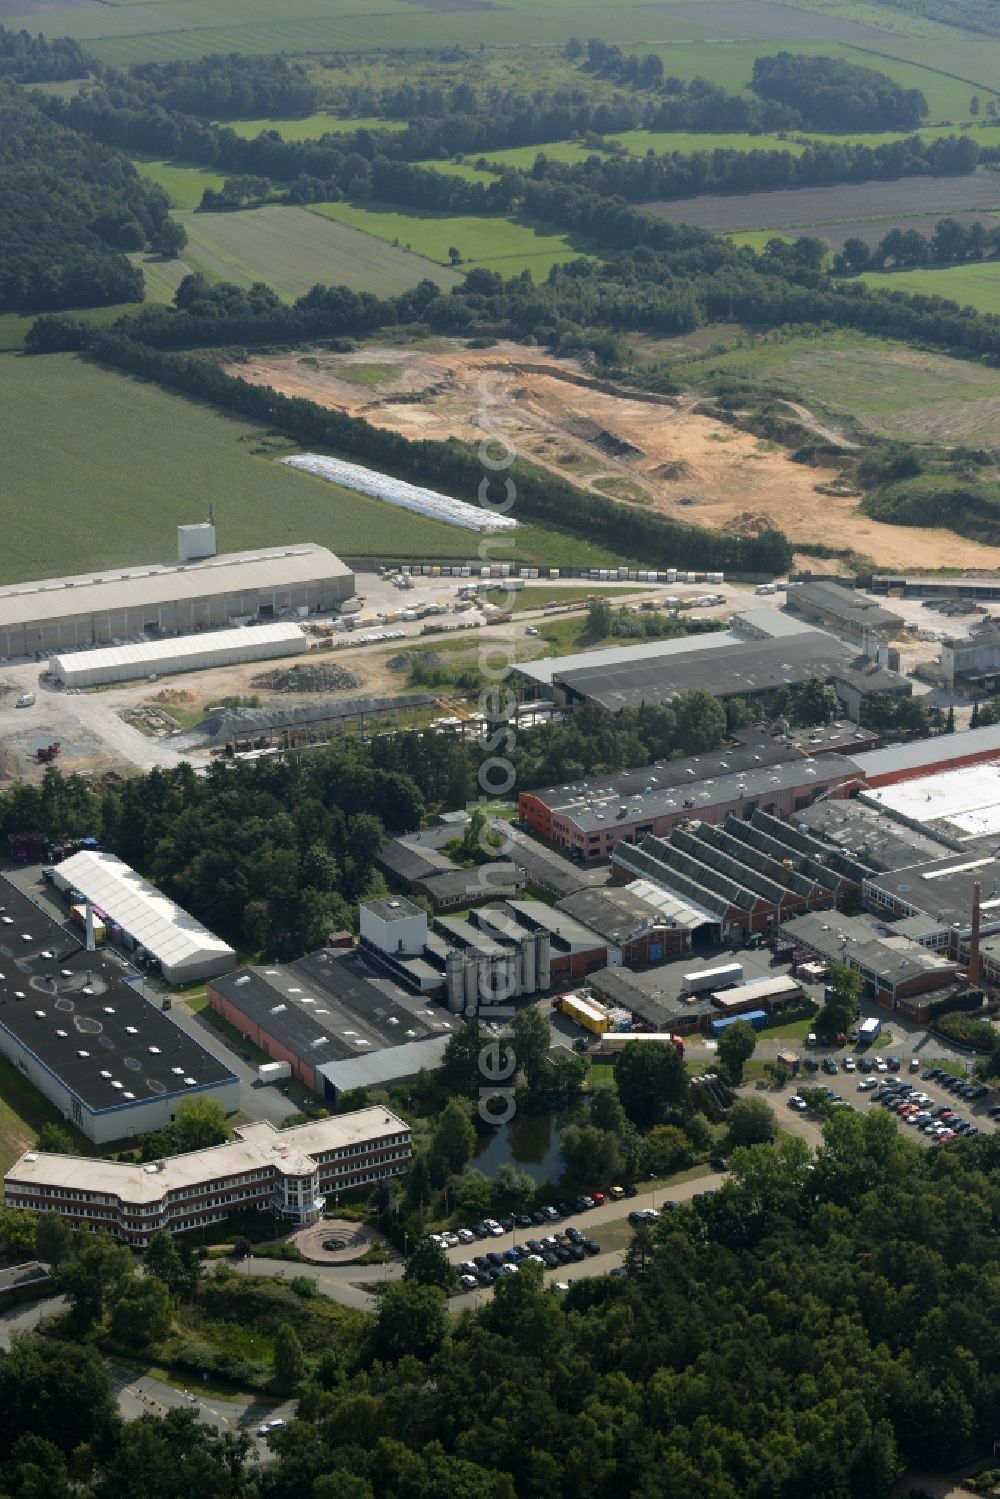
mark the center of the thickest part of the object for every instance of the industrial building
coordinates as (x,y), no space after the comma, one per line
(141,919)
(739,873)
(660,999)
(594,820)
(922,757)
(733,665)
(981,589)
(841,607)
(972,662)
(331,1007)
(894,967)
(637,921)
(958,805)
(123,604)
(292,1174)
(71,1023)
(415,862)
(126,663)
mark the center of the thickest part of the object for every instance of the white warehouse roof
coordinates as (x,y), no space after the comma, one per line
(119,663)
(186,950)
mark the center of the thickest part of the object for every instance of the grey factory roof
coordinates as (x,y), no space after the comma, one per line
(654,995)
(694,797)
(845,603)
(483,882)
(843,736)
(393,908)
(132,587)
(75,1012)
(872,837)
(565,930)
(773,623)
(385,1066)
(922,754)
(944,888)
(617,912)
(547,667)
(545,867)
(408,862)
(755,749)
(330,1005)
(850,939)
(744,669)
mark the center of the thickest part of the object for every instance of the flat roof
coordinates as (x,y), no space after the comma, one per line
(385,1066)
(869,835)
(773,623)
(653,995)
(162,927)
(546,667)
(964,803)
(392,908)
(944,888)
(545,866)
(927,752)
(131,587)
(843,735)
(331,1005)
(82,1020)
(755,749)
(619,913)
(601,812)
(253,1146)
(152,652)
(745,667)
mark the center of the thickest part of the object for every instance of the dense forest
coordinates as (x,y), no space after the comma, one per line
(33,59)
(812,1327)
(829,94)
(233,87)
(69,209)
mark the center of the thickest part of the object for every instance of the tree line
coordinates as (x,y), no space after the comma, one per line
(228,87)
(34,59)
(827,93)
(950,243)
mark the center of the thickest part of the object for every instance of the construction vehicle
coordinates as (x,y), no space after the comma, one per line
(46,753)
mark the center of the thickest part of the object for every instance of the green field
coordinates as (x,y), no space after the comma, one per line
(975,286)
(183,185)
(310,127)
(293,249)
(71,456)
(881,386)
(499,244)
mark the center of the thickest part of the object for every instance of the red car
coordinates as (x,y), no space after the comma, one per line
(598,1198)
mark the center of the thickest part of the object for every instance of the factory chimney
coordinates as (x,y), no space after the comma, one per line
(974,962)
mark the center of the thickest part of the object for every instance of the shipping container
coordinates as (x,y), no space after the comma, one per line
(272,1072)
(755,1018)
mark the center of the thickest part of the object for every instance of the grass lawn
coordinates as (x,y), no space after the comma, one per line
(499,244)
(292,249)
(310,127)
(75,461)
(544,598)
(975,286)
(601,1075)
(365,374)
(183,185)
(795,1030)
(622,489)
(885,387)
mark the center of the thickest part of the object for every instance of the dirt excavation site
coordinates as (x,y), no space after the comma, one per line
(639,449)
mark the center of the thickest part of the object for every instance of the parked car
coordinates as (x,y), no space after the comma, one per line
(466,1236)
(866,1084)
(597,1199)
(590,1247)
(829,1065)
(468,1282)
(616,1193)
(850,1065)
(894,1064)
(914,1064)
(797,1103)
(718,1163)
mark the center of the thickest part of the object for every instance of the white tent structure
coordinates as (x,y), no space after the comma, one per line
(185,950)
(123,663)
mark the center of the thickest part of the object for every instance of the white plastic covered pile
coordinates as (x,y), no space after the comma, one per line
(399,492)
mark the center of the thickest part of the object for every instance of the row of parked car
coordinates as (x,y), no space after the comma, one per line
(960,1086)
(938,1122)
(567,1248)
(542,1217)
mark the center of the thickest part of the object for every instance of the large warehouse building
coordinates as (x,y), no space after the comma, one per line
(123,604)
(110,1061)
(145,919)
(127,663)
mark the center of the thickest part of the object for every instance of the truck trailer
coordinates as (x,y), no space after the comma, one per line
(707,979)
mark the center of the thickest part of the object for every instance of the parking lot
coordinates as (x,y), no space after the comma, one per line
(931,1106)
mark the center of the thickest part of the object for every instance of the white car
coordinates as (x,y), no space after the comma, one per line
(508,1269)
(530,630)
(797,1103)
(866,1084)
(451,1240)
(466,1236)
(850,1065)
(881,1065)
(496,1230)
(468,1282)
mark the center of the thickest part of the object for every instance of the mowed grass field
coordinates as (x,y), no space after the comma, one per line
(500,244)
(310,127)
(975,286)
(880,386)
(183,185)
(293,249)
(99,469)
